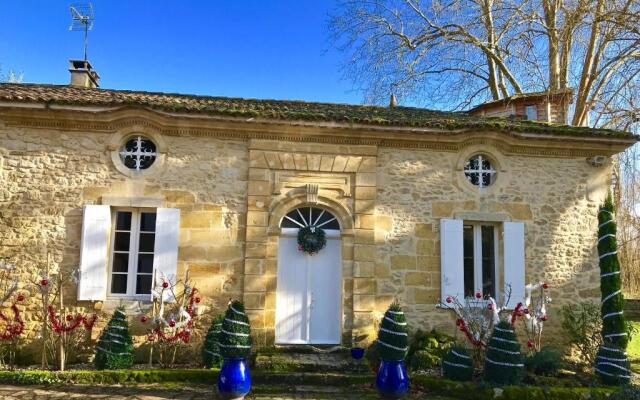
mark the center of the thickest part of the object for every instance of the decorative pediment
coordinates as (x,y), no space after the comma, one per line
(312,183)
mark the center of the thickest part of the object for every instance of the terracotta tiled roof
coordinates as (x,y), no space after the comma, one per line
(285,110)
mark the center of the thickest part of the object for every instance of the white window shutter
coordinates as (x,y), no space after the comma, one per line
(514,273)
(94,245)
(451,259)
(165,259)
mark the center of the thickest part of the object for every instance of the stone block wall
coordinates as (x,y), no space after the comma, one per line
(556,198)
(48,175)
(232,194)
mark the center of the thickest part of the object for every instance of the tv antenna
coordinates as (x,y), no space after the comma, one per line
(82,20)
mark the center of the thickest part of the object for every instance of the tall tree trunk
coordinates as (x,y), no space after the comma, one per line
(487,19)
(550,16)
(581,109)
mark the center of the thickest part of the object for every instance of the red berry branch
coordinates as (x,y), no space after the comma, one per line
(75,322)
(15,326)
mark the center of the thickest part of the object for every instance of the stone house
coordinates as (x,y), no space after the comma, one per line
(416,204)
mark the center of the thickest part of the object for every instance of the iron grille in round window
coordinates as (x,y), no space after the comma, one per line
(479,171)
(310,216)
(138,153)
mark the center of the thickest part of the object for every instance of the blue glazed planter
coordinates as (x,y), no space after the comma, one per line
(392,380)
(234,381)
(357,353)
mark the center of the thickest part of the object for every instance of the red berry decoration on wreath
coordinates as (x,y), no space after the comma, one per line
(478,295)
(545,285)
(20,297)
(530,344)
(44,282)
(311,239)
(172,323)
(144,319)
(449,299)
(165,284)
(69,317)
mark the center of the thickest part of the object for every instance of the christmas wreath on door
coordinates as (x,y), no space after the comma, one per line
(311,239)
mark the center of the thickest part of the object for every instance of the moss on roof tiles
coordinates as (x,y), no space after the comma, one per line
(291,110)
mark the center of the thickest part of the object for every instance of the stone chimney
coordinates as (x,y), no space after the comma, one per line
(82,74)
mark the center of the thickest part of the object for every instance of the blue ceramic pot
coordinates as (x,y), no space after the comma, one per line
(234,381)
(357,352)
(392,380)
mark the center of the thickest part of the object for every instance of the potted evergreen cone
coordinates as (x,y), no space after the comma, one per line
(392,380)
(234,381)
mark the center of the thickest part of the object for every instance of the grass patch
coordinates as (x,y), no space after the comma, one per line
(633,349)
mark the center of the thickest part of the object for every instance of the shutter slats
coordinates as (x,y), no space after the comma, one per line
(452,261)
(94,245)
(165,260)
(514,265)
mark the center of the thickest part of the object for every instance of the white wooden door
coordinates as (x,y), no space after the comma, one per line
(309,292)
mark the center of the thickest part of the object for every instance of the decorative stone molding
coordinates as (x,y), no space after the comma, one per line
(172,124)
(291,180)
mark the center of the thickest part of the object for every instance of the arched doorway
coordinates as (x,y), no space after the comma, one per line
(309,287)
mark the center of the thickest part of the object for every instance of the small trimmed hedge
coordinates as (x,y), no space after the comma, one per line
(109,377)
(471,391)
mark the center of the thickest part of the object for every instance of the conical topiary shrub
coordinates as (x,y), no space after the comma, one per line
(503,361)
(457,364)
(211,348)
(393,343)
(115,346)
(235,337)
(393,340)
(612,364)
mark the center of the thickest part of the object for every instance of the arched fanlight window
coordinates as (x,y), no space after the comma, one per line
(310,216)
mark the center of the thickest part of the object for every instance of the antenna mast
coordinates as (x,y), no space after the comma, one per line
(82,20)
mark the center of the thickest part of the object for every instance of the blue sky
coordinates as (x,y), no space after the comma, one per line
(263,49)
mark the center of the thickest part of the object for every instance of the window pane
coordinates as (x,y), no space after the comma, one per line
(119,283)
(488,261)
(123,221)
(148,222)
(122,241)
(468,260)
(145,263)
(146,242)
(120,262)
(143,284)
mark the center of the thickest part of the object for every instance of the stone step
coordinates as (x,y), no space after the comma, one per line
(311,378)
(310,362)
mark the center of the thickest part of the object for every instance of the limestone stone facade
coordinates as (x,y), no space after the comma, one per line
(234,180)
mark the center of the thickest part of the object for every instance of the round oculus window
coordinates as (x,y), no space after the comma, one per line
(138,153)
(479,171)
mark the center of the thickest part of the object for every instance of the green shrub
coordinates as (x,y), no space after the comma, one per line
(628,392)
(457,365)
(423,360)
(546,362)
(582,325)
(612,365)
(114,349)
(503,361)
(210,348)
(393,342)
(427,349)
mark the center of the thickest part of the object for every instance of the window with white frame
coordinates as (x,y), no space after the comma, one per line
(480,244)
(132,252)
(485,257)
